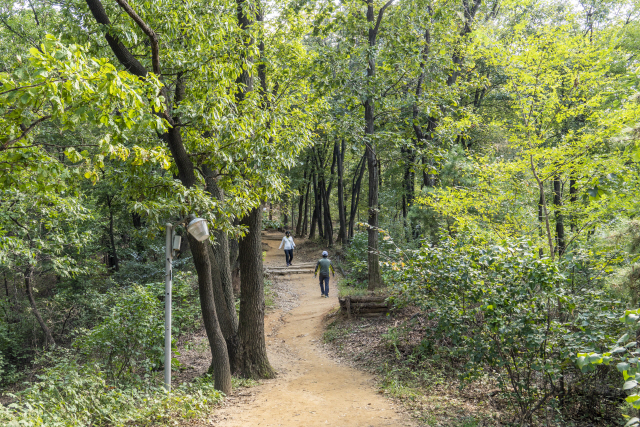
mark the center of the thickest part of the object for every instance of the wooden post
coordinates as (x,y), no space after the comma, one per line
(348,303)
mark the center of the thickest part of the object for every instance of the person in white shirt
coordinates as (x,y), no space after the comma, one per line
(287,241)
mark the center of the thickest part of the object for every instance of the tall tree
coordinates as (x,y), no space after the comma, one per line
(186,173)
(373,261)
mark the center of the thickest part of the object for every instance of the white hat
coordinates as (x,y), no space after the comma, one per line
(325,253)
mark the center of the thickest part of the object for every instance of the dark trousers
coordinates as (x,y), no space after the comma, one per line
(324,285)
(288,254)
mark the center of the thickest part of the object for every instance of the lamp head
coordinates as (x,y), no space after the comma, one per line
(198,229)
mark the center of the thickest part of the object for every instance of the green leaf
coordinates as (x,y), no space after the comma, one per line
(632,422)
(622,366)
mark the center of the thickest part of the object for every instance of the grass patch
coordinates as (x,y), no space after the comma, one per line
(238,382)
(269,294)
(334,332)
(349,287)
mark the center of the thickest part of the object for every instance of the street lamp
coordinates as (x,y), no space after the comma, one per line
(197,227)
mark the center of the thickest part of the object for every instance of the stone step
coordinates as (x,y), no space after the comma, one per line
(289,271)
(293,267)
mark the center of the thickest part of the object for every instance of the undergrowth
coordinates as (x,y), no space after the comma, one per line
(409,370)
(72,394)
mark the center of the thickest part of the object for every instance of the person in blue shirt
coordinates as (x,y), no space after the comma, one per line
(324,266)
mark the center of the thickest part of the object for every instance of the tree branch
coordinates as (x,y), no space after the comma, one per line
(26,131)
(123,54)
(544,207)
(35,15)
(153,37)
(380,13)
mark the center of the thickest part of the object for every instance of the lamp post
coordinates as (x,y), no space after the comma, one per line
(197,227)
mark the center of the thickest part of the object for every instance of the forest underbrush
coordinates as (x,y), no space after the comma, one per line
(491,335)
(389,347)
(110,373)
(426,379)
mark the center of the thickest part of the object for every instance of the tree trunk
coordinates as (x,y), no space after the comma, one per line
(233,262)
(375,279)
(356,184)
(318,206)
(219,356)
(328,226)
(301,204)
(373,264)
(48,338)
(573,198)
(305,224)
(114,253)
(186,174)
(136,220)
(557,202)
(253,361)
(408,180)
(283,210)
(222,280)
(540,222)
(543,204)
(341,206)
(300,213)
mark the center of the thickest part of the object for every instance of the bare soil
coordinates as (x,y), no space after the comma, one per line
(312,388)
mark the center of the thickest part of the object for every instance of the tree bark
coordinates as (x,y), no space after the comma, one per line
(48,338)
(233,261)
(219,356)
(573,198)
(342,233)
(114,253)
(373,261)
(305,225)
(318,206)
(356,184)
(557,202)
(253,361)
(543,203)
(222,280)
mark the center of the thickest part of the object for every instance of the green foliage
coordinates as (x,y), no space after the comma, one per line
(355,258)
(625,354)
(271,224)
(502,306)
(74,394)
(129,341)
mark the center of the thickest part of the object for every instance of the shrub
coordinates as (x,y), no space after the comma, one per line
(356,254)
(71,394)
(504,308)
(130,340)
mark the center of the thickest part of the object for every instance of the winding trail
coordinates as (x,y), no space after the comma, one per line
(310,389)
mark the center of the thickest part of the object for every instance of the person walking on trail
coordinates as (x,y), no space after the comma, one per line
(324,266)
(287,241)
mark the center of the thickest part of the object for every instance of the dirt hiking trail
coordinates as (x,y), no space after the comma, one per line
(310,389)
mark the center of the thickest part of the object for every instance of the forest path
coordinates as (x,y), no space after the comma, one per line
(310,389)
